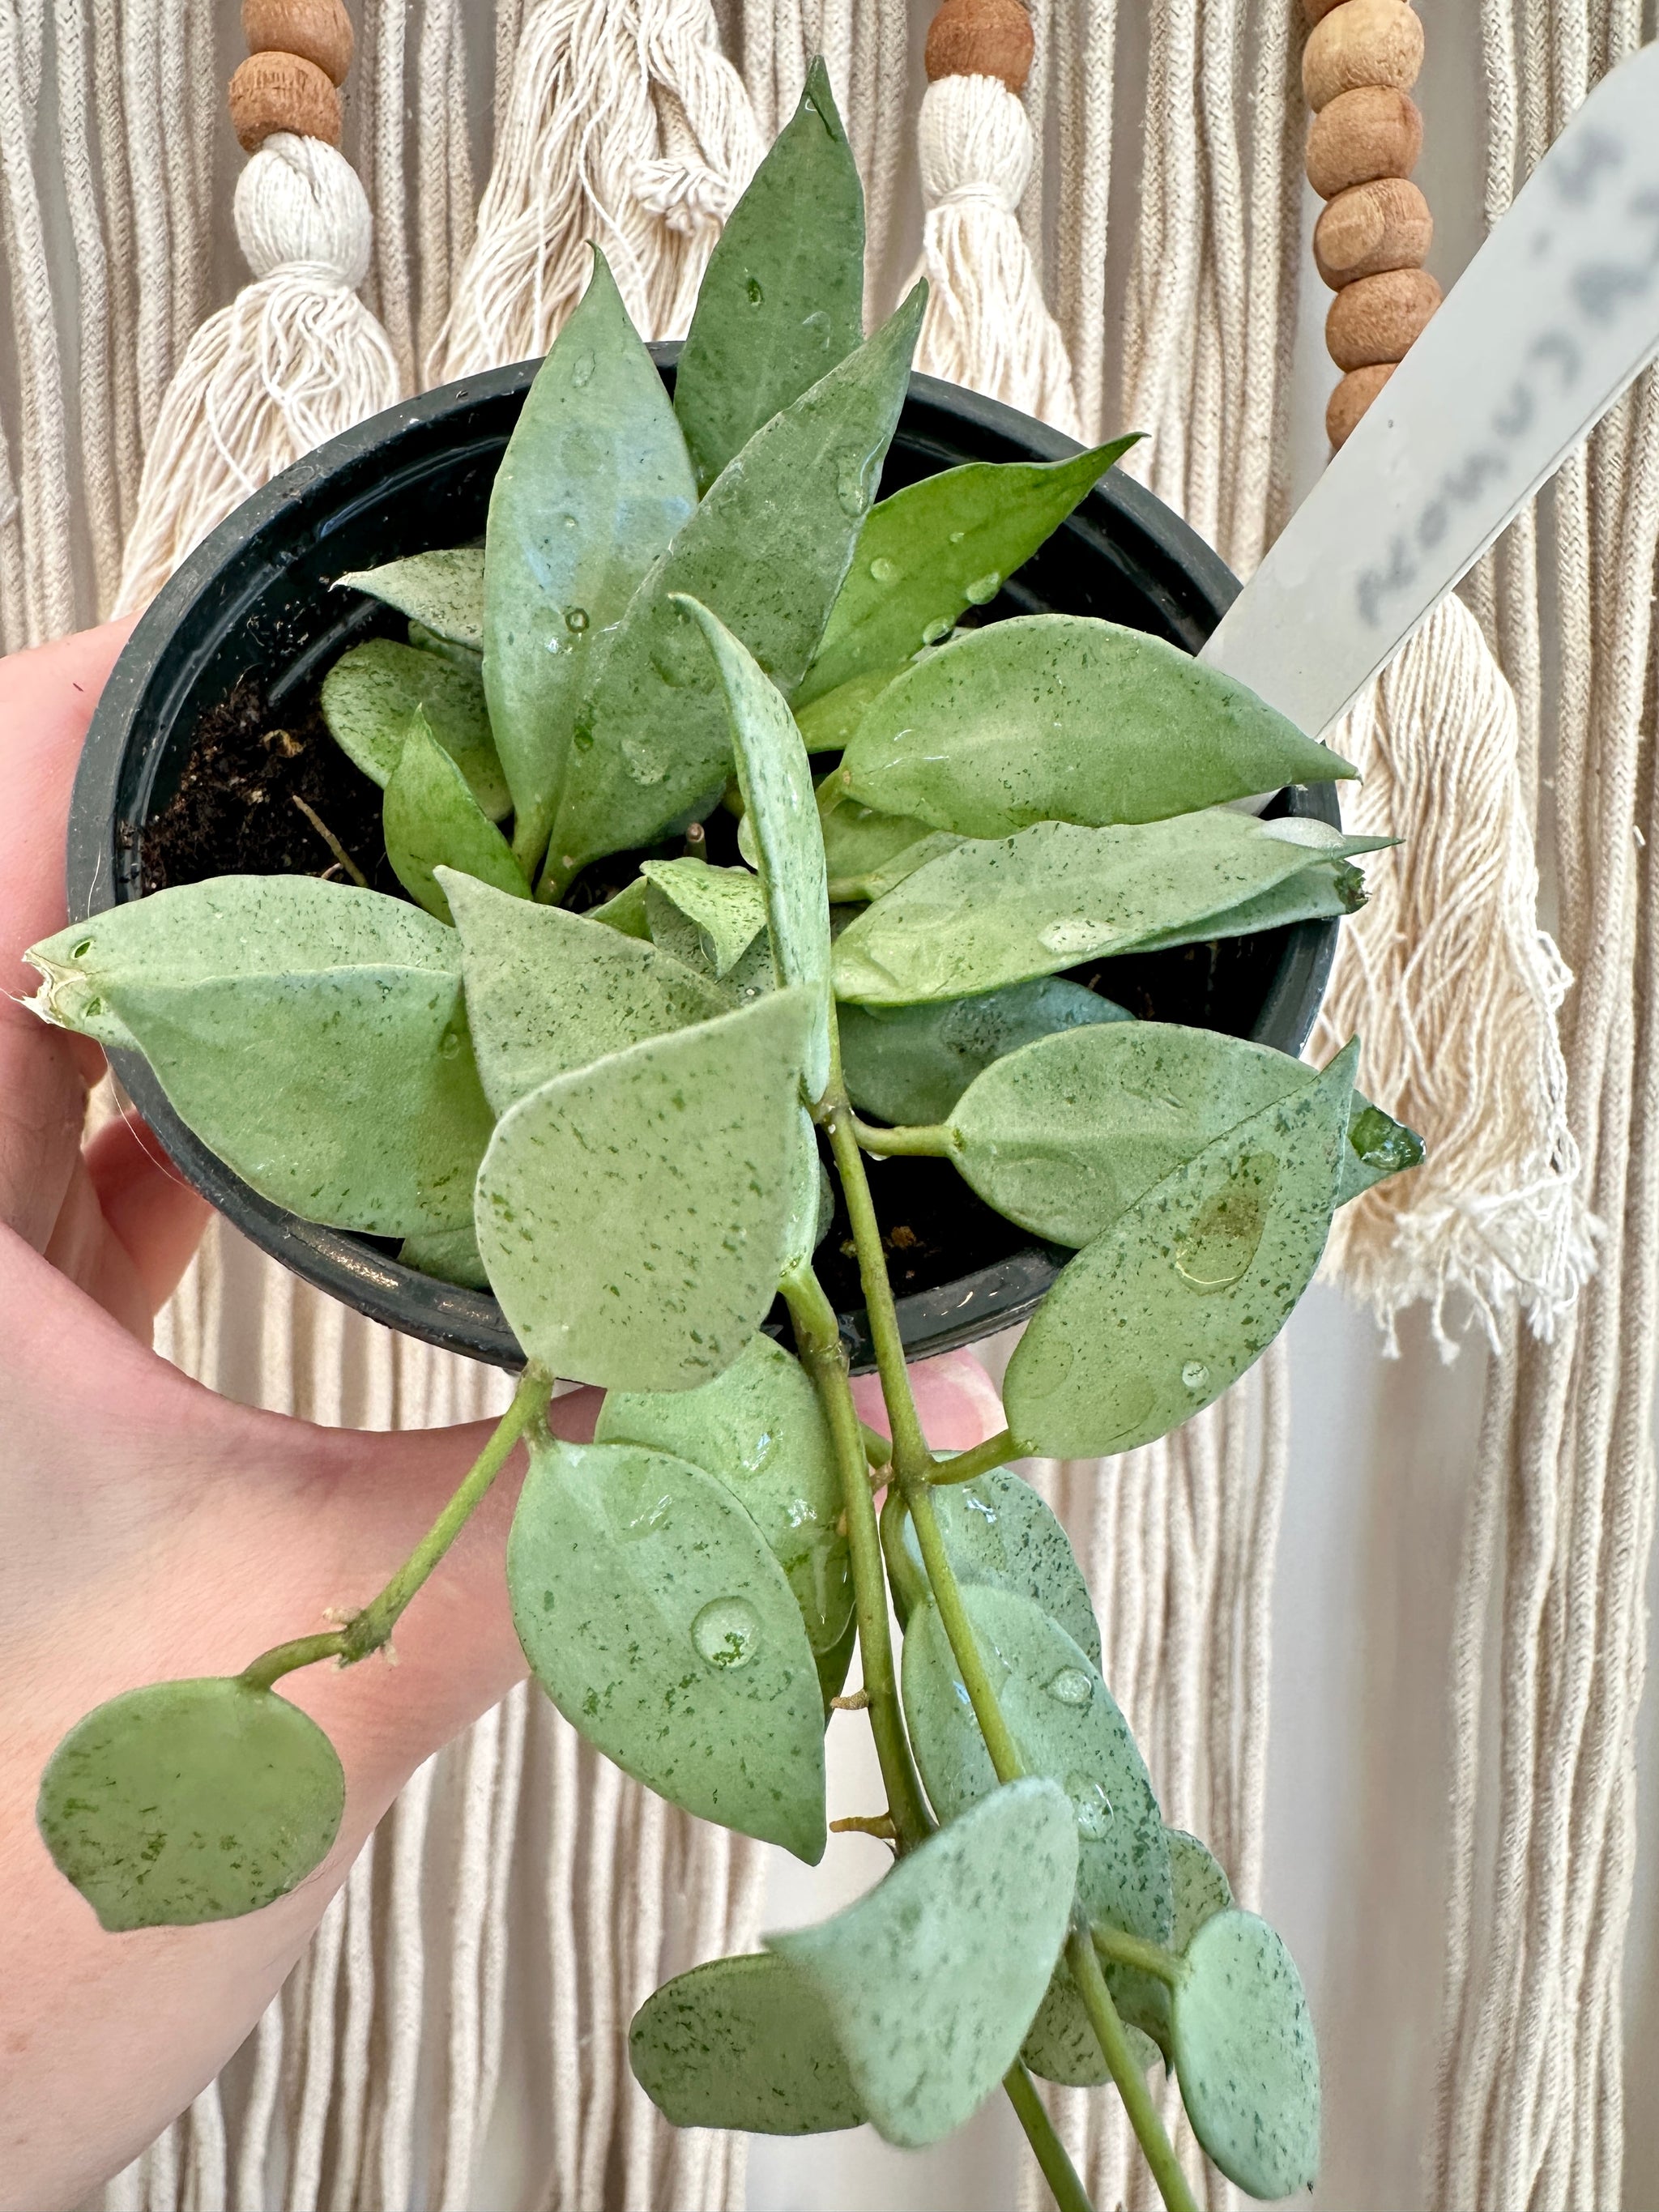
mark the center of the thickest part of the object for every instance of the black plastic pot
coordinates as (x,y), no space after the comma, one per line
(254,600)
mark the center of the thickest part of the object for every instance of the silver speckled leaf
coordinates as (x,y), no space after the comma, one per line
(444,592)
(1187,1287)
(1201,1890)
(997,1532)
(370,693)
(633,1215)
(663,1629)
(431,820)
(929,2008)
(743,2043)
(548,991)
(911,1063)
(188,1801)
(726,907)
(1246,2059)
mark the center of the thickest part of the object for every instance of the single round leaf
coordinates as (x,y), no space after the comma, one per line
(1188,1286)
(663,1629)
(548,991)
(1067,1726)
(766,550)
(999,1534)
(781,808)
(348,1095)
(995,911)
(743,2043)
(782,298)
(938,547)
(228,927)
(932,1977)
(1246,2057)
(1065,718)
(911,1063)
(370,693)
(444,592)
(726,907)
(593,484)
(431,820)
(633,1215)
(188,1801)
(1062,2045)
(1065,1134)
(759,1432)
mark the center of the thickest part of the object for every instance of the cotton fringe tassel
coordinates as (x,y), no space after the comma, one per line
(294,360)
(988,324)
(625,126)
(1455,989)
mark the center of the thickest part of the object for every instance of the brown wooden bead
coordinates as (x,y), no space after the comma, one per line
(317,30)
(1362,42)
(283,92)
(1379,318)
(1372,131)
(1353,397)
(980,38)
(1385,224)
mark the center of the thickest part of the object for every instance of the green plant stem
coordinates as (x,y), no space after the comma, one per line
(911,1457)
(933,1140)
(907,1579)
(1114,2039)
(371,1629)
(1047,2149)
(817,1338)
(963,1466)
(1125,1950)
(964,1645)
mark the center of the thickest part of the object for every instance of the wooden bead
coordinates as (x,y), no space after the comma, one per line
(1379,318)
(1385,224)
(1362,42)
(1372,131)
(980,38)
(317,30)
(1353,397)
(283,92)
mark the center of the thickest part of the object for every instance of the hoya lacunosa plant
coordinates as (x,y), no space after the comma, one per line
(618,1116)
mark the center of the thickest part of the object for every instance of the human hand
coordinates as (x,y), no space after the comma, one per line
(150,1531)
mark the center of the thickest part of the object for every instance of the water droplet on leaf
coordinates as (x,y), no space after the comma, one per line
(753,289)
(1218,1250)
(885,571)
(575,619)
(1075,935)
(1091,1805)
(936,632)
(1072,1686)
(983,588)
(581,369)
(1195,1375)
(727,1632)
(853,481)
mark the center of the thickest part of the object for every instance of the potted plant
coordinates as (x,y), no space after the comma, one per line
(630,1096)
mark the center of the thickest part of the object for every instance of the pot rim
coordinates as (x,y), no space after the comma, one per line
(1188,582)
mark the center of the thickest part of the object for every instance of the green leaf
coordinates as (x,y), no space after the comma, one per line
(467,658)
(370,693)
(743,2043)
(1062,2045)
(450,1255)
(664,1630)
(929,2011)
(867,854)
(431,820)
(782,298)
(1246,2057)
(188,1801)
(1062,1136)
(548,991)
(1066,1725)
(593,484)
(1378,1146)
(912,1064)
(1201,1890)
(781,807)
(629,911)
(832,1665)
(633,1215)
(1001,1535)
(997,911)
(726,907)
(1064,718)
(812,1200)
(938,547)
(767,550)
(827,725)
(228,926)
(1187,1287)
(758,1431)
(443,591)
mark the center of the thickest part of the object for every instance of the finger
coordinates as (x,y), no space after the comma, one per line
(955,1398)
(153,1215)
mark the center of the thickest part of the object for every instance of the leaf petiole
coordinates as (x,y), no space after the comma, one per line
(979,1459)
(1123,1949)
(371,1629)
(929,1140)
(1062,2176)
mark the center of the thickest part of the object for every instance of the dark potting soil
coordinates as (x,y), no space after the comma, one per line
(237,811)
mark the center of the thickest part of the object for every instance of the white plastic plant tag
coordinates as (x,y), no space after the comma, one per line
(1554,316)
